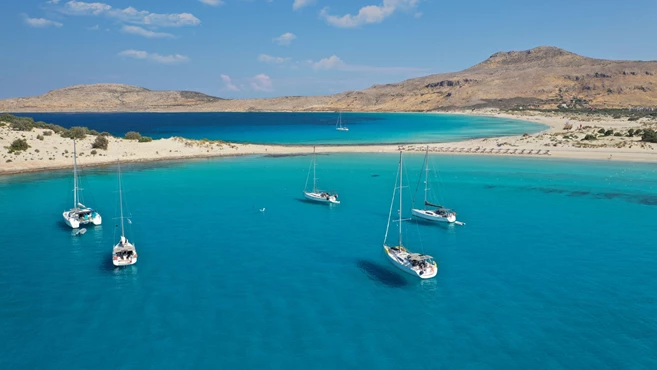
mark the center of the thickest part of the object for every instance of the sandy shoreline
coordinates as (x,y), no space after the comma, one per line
(55,152)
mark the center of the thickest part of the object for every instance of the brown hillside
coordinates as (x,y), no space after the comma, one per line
(542,77)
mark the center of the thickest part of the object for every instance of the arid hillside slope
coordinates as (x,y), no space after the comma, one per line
(543,77)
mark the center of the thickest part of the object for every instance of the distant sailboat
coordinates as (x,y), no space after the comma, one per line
(339,126)
(79,214)
(317,195)
(123,253)
(416,264)
(436,213)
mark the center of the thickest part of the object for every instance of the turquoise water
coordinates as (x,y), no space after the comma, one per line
(554,269)
(298,128)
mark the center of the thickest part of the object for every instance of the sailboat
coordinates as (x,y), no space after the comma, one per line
(123,253)
(317,195)
(416,264)
(436,213)
(79,214)
(338,125)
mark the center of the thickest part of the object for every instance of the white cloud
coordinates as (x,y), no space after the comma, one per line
(130,14)
(212,2)
(41,22)
(136,30)
(332,62)
(52,2)
(264,58)
(261,82)
(228,82)
(94,28)
(368,14)
(335,63)
(298,4)
(153,57)
(285,39)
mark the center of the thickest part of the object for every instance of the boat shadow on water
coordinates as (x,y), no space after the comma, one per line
(64,227)
(308,201)
(442,225)
(106,266)
(381,274)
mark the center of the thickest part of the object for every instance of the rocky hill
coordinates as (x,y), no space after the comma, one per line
(107,98)
(543,77)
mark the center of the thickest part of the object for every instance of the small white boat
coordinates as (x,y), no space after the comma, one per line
(124,253)
(317,195)
(339,126)
(416,264)
(435,213)
(79,214)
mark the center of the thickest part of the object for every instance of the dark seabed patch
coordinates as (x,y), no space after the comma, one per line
(648,200)
(579,193)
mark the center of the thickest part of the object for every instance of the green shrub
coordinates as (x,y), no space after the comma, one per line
(634,118)
(618,134)
(22,124)
(47,133)
(100,143)
(630,132)
(609,132)
(94,133)
(132,135)
(145,139)
(56,128)
(94,152)
(590,137)
(36,150)
(78,133)
(40,137)
(649,136)
(105,133)
(18,145)
(601,131)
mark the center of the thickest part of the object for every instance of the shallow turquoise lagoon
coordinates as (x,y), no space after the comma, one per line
(555,268)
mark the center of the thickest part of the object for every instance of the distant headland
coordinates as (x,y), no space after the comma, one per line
(541,78)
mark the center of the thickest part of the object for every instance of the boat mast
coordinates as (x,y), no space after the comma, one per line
(314,171)
(75,177)
(426,176)
(401,185)
(120,199)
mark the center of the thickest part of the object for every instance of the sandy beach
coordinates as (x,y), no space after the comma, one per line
(55,152)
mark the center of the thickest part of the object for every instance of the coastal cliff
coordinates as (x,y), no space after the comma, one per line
(543,77)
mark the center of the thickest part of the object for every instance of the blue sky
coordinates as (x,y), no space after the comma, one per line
(263,48)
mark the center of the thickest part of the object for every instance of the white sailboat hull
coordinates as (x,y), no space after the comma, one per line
(74,222)
(126,262)
(119,256)
(317,197)
(428,273)
(429,215)
(342,129)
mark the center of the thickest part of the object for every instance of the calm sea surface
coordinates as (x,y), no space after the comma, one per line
(297,128)
(555,268)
